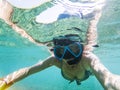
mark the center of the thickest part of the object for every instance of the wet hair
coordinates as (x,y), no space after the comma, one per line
(66,39)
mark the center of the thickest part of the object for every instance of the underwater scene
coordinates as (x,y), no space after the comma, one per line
(19,49)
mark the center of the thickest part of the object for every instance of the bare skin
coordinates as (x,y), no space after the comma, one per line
(88,62)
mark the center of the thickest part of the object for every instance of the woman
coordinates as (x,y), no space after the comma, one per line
(76,61)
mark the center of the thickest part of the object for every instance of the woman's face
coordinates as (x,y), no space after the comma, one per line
(69,52)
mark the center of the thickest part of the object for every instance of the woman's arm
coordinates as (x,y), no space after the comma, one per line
(92,29)
(92,32)
(24,72)
(108,80)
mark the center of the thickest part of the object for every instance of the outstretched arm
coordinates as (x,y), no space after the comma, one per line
(92,32)
(108,80)
(92,29)
(22,73)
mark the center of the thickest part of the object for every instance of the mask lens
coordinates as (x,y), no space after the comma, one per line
(71,51)
(75,49)
(59,51)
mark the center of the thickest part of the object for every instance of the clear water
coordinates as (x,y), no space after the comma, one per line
(16,53)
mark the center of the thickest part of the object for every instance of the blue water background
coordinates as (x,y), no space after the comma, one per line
(22,54)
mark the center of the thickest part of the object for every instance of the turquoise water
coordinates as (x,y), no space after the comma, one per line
(17,52)
(109,36)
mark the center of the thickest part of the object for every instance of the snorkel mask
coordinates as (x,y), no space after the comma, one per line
(68,48)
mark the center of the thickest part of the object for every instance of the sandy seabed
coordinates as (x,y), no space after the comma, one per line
(6,10)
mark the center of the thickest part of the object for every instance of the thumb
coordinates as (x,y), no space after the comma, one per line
(2,85)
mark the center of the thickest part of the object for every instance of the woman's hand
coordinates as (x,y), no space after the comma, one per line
(3,84)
